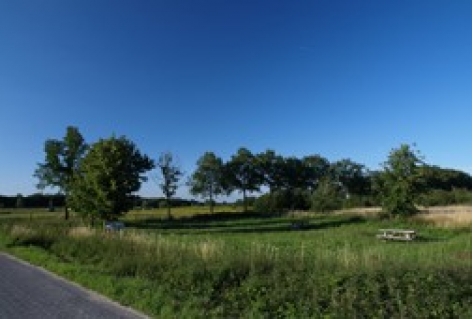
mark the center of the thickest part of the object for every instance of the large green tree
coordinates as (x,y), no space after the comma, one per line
(327,196)
(294,174)
(243,173)
(208,178)
(400,181)
(352,177)
(108,175)
(62,158)
(169,179)
(444,178)
(271,166)
(316,169)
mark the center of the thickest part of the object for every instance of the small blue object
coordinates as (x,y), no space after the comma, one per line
(114,226)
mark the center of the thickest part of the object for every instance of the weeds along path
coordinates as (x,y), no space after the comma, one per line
(30,292)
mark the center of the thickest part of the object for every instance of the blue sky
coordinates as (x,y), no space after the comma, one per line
(344,79)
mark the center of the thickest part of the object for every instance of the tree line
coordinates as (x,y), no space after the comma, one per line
(53,201)
(32,201)
(98,180)
(313,182)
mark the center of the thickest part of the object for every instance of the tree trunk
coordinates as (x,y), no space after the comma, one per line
(211,203)
(245,200)
(168,206)
(66,212)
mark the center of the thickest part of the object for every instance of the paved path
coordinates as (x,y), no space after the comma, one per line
(28,292)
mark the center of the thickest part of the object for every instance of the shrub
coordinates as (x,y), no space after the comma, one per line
(327,197)
(462,196)
(360,201)
(283,201)
(264,204)
(301,199)
(438,197)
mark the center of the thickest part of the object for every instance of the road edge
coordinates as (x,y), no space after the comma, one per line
(93,294)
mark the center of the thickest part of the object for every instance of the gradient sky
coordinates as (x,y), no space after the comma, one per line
(343,79)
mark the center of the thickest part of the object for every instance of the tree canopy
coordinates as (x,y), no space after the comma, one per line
(207,180)
(99,180)
(444,179)
(351,176)
(242,173)
(62,159)
(170,176)
(400,181)
(108,175)
(270,167)
(316,168)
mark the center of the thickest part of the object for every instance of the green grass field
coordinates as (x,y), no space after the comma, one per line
(232,264)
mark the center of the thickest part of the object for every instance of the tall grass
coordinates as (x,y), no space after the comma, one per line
(260,267)
(448,217)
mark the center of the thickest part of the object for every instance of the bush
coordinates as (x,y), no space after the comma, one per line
(283,201)
(360,201)
(326,198)
(439,197)
(301,199)
(264,204)
(240,202)
(462,196)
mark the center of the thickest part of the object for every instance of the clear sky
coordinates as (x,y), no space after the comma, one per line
(343,79)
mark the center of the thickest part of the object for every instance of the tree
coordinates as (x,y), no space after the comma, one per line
(327,196)
(316,168)
(400,181)
(61,162)
(352,177)
(445,179)
(270,166)
(108,175)
(291,178)
(19,201)
(208,179)
(170,176)
(294,174)
(243,174)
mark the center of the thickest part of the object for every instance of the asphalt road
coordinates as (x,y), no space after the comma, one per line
(28,292)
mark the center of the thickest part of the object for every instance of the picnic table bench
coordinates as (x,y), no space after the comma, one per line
(113,226)
(396,234)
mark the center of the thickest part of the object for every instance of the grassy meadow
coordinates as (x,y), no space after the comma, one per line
(232,264)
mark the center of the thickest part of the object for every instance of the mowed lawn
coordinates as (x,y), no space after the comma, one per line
(233,264)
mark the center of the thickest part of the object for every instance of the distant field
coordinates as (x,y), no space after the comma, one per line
(21,213)
(234,264)
(135,213)
(182,211)
(459,211)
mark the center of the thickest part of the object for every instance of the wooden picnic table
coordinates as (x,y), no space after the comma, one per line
(397,234)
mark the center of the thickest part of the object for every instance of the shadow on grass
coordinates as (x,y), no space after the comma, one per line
(431,239)
(240,223)
(197,221)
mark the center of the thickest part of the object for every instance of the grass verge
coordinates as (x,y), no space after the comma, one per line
(251,266)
